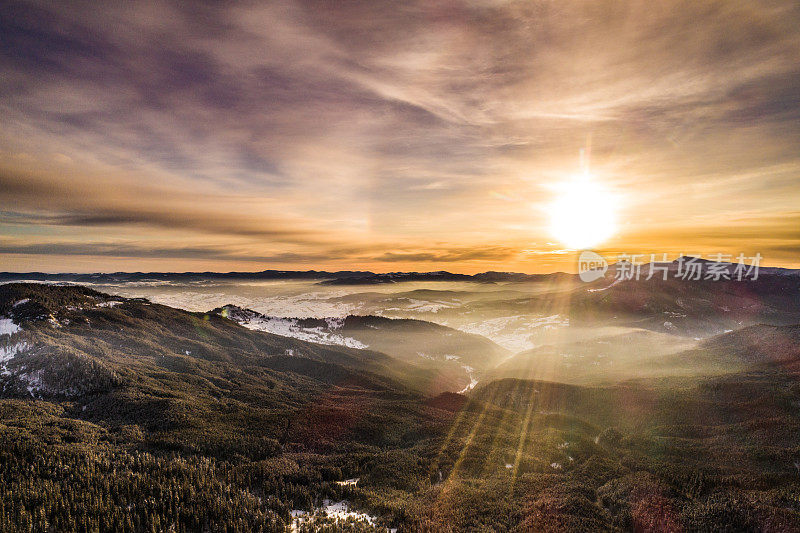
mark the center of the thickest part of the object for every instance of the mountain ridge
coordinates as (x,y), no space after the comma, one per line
(350,277)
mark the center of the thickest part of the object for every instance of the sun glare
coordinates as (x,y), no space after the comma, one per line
(583,214)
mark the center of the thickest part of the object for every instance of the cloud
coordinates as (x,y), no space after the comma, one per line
(370,124)
(453,255)
(116,201)
(114,250)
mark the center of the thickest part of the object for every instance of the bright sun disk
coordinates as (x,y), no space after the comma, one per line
(583,214)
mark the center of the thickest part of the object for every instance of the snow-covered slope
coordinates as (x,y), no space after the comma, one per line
(323,331)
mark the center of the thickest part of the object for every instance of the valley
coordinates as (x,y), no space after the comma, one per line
(126,414)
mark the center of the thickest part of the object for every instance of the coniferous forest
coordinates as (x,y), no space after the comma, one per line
(140,417)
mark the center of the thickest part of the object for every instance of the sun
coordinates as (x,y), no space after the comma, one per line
(583,214)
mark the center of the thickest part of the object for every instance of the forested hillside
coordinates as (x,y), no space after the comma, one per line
(122,415)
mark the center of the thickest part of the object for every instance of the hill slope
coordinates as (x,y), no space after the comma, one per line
(196,423)
(455,357)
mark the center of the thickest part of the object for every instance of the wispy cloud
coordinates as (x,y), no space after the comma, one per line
(295,130)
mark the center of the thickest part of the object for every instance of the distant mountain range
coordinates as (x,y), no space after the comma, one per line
(347,277)
(342,277)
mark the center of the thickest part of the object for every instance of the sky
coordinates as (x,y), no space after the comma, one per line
(388,136)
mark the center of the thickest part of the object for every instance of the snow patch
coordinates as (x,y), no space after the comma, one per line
(335,322)
(472,380)
(341,511)
(9,351)
(33,380)
(289,327)
(7,327)
(338,511)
